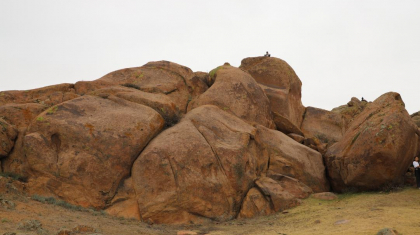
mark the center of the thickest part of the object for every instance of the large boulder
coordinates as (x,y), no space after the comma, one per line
(161,77)
(289,158)
(280,83)
(209,165)
(324,125)
(199,169)
(236,92)
(82,149)
(159,102)
(377,148)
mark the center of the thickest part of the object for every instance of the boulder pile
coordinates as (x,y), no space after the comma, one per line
(163,144)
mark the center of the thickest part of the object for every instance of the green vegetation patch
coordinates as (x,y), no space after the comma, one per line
(14,176)
(212,73)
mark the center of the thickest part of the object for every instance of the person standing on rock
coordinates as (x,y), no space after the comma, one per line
(417,171)
(267,55)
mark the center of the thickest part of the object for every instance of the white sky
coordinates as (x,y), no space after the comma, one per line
(339,49)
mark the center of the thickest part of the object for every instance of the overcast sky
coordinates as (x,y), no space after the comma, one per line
(339,49)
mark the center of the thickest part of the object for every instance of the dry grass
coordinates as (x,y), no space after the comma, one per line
(367,213)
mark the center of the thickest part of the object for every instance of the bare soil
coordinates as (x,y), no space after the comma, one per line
(362,213)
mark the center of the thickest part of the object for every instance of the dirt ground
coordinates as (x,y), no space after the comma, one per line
(362,213)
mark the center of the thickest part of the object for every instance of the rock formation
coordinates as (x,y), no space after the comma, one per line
(163,144)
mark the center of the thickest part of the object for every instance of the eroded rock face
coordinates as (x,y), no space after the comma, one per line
(236,92)
(201,168)
(204,167)
(7,137)
(324,125)
(377,148)
(416,118)
(350,110)
(288,157)
(280,83)
(80,150)
(160,77)
(48,96)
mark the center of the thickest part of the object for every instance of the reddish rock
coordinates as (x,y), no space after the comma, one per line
(48,96)
(287,157)
(296,137)
(200,168)
(159,102)
(350,111)
(20,115)
(161,77)
(236,92)
(416,118)
(327,196)
(280,83)
(255,204)
(284,125)
(7,137)
(84,147)
(124,203)
(280,198)
(326,126)
(377,148)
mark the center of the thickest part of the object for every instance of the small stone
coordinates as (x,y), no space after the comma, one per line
(344,221)
(317,221)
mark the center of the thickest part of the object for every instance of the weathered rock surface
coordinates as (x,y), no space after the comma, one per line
(80,150)
(48,96)
(287,157)
(377,148)
(324,125)
(284,125)
(416,118)
(7,137)
(161,77)
(280,83)
(237,92)
(200,168)
(350,110)
(255,204)
(159,102)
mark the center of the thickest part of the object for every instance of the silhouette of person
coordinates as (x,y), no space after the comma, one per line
(267,55)
(363,99)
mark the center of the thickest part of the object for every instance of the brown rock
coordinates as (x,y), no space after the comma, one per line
(377,148)
(281,198)
(124,203)
(350,111)
(387,231)
(83,229)
(84,147)
(200,168)
(20,115)
(328,196)
(416,118)
(324,125)
(297,138)
(7,138)
(280,83)
(236,92)
(255,204)
(48,96)
(161,77)
(159,102)
(284,125)
(287,157)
